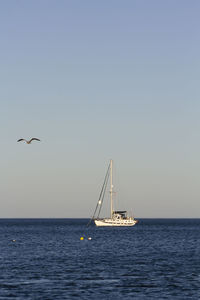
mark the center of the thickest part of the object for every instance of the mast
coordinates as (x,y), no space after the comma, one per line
(111,191)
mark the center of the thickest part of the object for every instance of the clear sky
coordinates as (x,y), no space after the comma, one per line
(96,80)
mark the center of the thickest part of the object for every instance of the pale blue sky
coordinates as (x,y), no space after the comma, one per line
(97,80)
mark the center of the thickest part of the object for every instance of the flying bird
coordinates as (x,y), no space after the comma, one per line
(28,142)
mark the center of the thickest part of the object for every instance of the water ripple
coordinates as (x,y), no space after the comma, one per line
(157,259)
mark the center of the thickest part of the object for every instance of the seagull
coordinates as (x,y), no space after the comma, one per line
(28,142)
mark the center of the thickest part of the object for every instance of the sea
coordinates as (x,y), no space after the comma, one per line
(46,259)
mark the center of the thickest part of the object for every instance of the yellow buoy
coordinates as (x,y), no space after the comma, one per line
(81,238)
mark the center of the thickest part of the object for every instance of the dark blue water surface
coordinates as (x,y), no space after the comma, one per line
(156,259)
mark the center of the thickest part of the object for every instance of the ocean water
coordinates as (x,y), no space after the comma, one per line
(45,259)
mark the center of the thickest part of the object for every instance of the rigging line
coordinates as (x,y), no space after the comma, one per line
(104,183)
(103,196)
(105,180)
(100,196)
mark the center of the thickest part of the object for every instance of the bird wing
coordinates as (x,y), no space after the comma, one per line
(21,140)
(34,139)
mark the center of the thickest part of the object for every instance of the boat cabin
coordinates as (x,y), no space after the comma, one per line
(121,213)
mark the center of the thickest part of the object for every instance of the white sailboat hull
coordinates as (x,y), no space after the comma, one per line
(112,222)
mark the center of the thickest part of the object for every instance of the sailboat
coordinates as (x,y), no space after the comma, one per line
(117,218)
